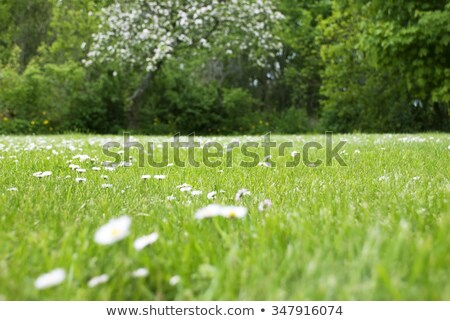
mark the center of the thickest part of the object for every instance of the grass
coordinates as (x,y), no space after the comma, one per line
(377,229)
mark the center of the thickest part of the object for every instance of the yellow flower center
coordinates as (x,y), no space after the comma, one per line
(232,214)
(115,232)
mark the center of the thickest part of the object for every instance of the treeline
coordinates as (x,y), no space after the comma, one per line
(347,66)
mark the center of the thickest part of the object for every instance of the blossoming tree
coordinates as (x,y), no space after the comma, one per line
(144,34)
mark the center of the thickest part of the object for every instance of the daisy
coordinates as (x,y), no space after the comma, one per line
(264,205)
(144,177)
(196,193)
(81,170)
(126,164)
(159,177)
(80,180)
(115,230)
(96,169)
(104,176)
(74,167)
(233,212)
(107,186)
(174,280)
(186,189)
(13,189)
(50,279)
(42,174)
(264,164)
(140,273)
(82,158)
(208,211)
(95,281)
(171,198)
(211,195)
(183,186)
(144,241)
(242,192)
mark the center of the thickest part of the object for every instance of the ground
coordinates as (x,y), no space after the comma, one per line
(376,229)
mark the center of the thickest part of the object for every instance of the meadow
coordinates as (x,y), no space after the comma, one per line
(376,229)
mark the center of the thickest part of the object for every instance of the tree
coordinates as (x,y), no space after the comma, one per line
(382,71)
(300,63)
(413,36)
(144,34)
(23,25)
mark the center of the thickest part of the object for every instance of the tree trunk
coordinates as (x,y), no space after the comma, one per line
(138,97)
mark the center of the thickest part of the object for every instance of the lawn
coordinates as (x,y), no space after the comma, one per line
(376,229)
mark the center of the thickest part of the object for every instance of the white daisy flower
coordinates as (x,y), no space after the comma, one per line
(186,189)
(208,211)
(211,195)
(107,186)
(171,198)
(264,164)
(160,177)
(140,273)
(242,192)
(80,180)
(42,174)
(82,158)
(96,169)
(13,189)
(144,241)
(50,279)
(264,205)
(74,167)
(357,151)
(170,165)
(233,212)
(184,185)
(81,170)
(115,230)
(104,176)
(95,281)
(196,193)
(109,168)
(144,177)
(126,164)
(174,280)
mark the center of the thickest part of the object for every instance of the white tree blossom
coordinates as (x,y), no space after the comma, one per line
(144,33)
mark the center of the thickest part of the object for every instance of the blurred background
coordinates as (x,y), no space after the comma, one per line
(346,66)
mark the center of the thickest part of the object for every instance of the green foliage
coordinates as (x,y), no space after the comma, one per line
(364,66)
(365,91)
(23,23)
(301,64)
(59,97)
